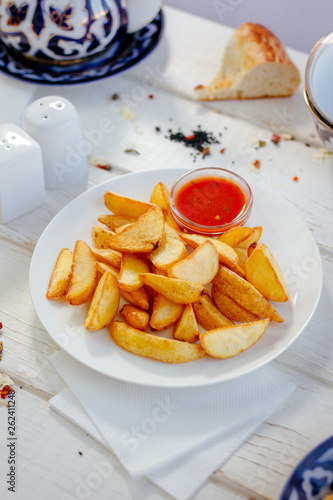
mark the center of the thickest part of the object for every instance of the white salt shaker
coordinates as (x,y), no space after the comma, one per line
(21,173)
(54,123)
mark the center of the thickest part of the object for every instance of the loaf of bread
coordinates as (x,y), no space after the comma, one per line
(255,65)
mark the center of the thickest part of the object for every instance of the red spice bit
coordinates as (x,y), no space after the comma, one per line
(295,179)
(103,167)
(256,163)
(5,391)
(222,150)
(80,453)
(151,96)
(275,138)
(190,137)
(0,325)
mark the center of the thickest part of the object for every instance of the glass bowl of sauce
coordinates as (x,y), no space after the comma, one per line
(210,201)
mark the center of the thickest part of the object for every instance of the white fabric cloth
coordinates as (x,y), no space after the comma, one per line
(175,437)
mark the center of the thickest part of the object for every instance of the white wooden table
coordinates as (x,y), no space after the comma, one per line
(49,462)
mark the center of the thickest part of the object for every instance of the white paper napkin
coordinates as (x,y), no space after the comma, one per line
(174,437)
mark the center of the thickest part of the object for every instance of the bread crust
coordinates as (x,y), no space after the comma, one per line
(253,52)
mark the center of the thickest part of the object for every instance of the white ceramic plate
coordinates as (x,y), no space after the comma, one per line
(283,232)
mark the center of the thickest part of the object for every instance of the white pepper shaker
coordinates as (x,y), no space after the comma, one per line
(54,124)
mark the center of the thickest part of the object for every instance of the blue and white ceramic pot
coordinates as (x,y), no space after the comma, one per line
(69,31)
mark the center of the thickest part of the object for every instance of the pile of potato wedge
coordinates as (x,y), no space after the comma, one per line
(215,293)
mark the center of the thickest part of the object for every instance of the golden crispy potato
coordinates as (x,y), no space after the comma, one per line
(179,291)
(236,235)
(59,282)
(131,266)
(245,294)
(263,271)
(164,313)
(139,297)
(232,340)
(200,266)
(113,222)
(84,275)
(160,196)
(100,236)
(135,317)
(253,238)
(208,315)
(104,304)
(242,258)
(227,255)
(143,236)
(171,250)
(108,256)
(102,267)
(127,207)
(152,346)
(186,328)
(230,308)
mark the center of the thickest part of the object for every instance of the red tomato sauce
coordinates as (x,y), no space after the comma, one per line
(210,201)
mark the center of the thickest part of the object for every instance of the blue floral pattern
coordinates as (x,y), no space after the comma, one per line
(117,59)
(313,478)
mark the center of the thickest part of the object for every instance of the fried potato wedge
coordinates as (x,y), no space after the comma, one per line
(153,346)
(127,207)
(230,308)
(200,266)
(84,275)
(160,196)
(236,235)
(227,255)
(59,281)
(263,271)
(253,238)
(135,317)
(171,250)
(131,266)
(186,328)
(139,297)
(104,303)
(102,268)
(113,222)
(232,340)
(100,236)
(179,291)
(242,258)
(143,236)
(164,313)
(208,315)
(108,256)
(245,294)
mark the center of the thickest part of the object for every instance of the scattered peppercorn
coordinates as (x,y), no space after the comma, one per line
(295,179)
(198,140)
(157,129)
(307,144)
(275,139)
(115,97)
(80,453)
(256,163)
